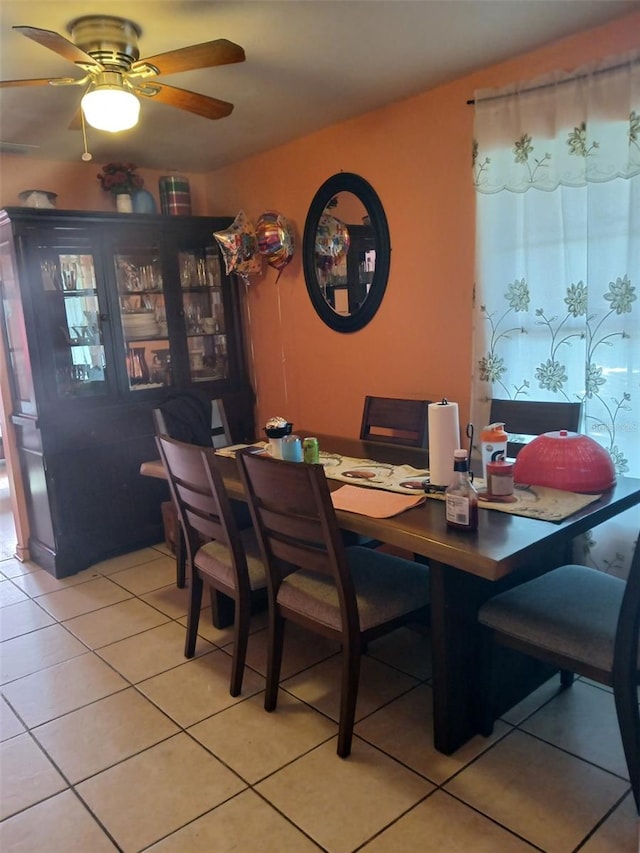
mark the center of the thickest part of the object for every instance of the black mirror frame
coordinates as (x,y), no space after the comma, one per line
(347,182)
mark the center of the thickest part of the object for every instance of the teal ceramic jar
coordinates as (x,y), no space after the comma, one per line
(143,202)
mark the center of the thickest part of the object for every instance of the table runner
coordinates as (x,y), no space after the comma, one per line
(530,501)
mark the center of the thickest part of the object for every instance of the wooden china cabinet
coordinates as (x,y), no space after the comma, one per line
(104,316)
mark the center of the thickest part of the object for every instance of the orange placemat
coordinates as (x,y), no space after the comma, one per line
(375,503)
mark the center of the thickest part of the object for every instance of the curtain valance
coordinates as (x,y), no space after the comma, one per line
(591,133)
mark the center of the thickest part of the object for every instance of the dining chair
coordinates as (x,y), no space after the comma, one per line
(217,553)
(351,595)
(533,417)
(195,419)
(580,620)
(392,420)
(395,421)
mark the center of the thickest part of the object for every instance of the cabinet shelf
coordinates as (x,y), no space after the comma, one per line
(124,292)
(79,292)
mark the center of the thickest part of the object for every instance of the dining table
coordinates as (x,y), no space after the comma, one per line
(465,569)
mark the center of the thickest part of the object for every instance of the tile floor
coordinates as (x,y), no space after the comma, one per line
(111,740)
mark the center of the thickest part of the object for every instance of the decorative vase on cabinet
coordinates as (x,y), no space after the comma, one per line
(124,203)
(143,202)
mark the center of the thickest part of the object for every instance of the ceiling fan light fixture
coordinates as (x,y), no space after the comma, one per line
(108,106)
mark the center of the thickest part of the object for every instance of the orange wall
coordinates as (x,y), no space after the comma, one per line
(417,155)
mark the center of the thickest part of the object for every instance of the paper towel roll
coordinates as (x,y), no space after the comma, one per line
(444,438)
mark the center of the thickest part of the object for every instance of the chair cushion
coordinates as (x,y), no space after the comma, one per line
(214,560)
(572,610)
(386,587)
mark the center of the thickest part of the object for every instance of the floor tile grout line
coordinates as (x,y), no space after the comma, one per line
(102,826)
(221,648)
(439,787)
(493,820)
(282,686)
(175,619)
(252,786)
(573,755)
(115,763)
(271,772)
(185,730)
(604,819)
(290,820)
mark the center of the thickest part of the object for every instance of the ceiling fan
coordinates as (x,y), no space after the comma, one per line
(106,49)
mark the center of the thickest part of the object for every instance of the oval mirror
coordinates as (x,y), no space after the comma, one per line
(346,252)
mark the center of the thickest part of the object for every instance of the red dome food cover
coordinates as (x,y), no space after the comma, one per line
(567,461)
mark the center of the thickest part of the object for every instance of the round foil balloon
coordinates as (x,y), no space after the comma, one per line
(240,248)
(275,240)
(332,237)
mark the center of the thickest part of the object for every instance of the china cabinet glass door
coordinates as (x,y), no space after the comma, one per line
(15,335)
(204,316)
(143,314)
(70,292)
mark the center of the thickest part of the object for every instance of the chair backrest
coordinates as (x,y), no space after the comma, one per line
(395,421)
(295,524)
(194,419)
(200,497)
(220,434)
(533,417)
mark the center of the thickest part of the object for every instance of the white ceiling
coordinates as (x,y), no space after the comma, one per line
(310,64)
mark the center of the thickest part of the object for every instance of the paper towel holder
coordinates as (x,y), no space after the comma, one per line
(429,487)
(470,430)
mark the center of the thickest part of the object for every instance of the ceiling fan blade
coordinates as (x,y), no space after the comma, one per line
(201,105)
(76,121)
(206,55)
(60,45)
(41,81)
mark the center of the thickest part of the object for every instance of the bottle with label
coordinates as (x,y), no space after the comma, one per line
(493,442)
(499,480)
(461,496)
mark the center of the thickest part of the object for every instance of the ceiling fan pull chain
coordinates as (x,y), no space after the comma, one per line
(86,156)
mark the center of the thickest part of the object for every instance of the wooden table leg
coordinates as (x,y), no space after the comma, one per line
(222,609)
(455,643)
(455,598)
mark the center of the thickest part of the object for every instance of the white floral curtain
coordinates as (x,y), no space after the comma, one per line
(556,165)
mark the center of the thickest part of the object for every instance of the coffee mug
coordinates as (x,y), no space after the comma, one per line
(276,447)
